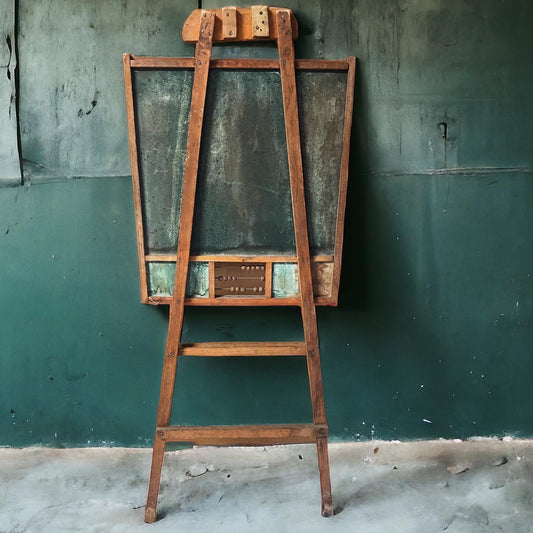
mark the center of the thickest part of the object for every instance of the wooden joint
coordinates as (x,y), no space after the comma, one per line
(283,17)
(206,25)
(322,432)
(229,22)
(260,27)
(257,435)
(239,24)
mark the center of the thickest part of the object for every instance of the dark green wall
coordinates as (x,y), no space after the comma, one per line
(434,330)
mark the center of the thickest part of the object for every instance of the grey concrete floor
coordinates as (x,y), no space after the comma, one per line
(483,485)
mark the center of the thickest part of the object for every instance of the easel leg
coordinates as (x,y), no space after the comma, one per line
(190,175)
(292,130)
(319,417)
(163,418)
(150,513)
(325,482)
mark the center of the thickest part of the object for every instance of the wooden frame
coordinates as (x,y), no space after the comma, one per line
(137,62)
(242,24)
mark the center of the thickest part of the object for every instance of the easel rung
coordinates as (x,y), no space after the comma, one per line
(257,435)
(242,349)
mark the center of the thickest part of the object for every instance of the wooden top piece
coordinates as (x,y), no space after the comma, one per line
(233,24)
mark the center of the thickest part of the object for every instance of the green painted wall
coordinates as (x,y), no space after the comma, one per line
(434,333)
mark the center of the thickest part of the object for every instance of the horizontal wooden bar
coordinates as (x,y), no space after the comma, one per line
(246,301)
(242,349)
(169,258)
(161,62)
(237,63)
(257,435)
(322,64)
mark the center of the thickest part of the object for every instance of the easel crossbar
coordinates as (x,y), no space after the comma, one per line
(237,63)
(242,349)
(254,435)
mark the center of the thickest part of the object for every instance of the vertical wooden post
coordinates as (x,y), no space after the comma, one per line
(190,174)
(132,141)
(292,131)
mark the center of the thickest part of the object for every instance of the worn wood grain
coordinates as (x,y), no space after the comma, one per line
(229,22)
(255,435)
(244,26)
(134,161)
(260,23)
(238,63)
(290,106)
(239,258)
(323,469)
(242,349)
(292,129)
(202,57)
(343,184)
(150,513)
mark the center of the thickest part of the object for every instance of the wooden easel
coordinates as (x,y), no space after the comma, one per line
(205,27)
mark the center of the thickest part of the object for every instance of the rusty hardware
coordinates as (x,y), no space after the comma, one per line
(239,279)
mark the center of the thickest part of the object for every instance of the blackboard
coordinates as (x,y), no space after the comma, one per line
(243,202)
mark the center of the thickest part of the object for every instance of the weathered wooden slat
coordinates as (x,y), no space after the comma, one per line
(150,513)
(168,258)
(292,128)
(244,26)
(258,435)
(323,470)
(132,140)
(229,22)
(268,279)
(321,64)
(242,349)
(248,301)
(343,183)
(202,58)
(211,280)
(260,24)
(238,63)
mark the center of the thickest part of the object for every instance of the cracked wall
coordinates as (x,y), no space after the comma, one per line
(9,152)
(433,334)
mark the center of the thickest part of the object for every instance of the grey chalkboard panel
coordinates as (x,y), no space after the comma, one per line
(243,204)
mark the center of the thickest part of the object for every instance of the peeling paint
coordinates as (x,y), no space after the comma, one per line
(10,172)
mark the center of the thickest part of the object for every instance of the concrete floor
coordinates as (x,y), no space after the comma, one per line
(480,486)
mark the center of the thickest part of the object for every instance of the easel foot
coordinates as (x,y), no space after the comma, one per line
(150,515)
(327,509)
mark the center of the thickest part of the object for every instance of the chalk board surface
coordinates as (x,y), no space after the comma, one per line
(243,204)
